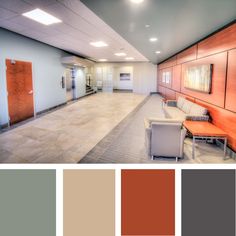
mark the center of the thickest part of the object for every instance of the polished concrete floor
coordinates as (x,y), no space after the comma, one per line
(102,128)
(68,134)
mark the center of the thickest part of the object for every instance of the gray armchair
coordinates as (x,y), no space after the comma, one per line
(164,137)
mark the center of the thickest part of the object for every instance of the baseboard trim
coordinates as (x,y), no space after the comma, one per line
(51,108)
(123,90)
(4,126)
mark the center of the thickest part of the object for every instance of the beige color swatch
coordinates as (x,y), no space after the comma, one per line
(89,202)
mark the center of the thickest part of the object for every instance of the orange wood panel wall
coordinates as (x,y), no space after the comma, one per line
(170,94)
(224,119)
(230,102)
(189,54)
(170,62)
(176,78)
(219,42)
(219,50)
(162,90)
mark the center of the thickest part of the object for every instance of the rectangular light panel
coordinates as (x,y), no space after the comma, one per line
(41,17)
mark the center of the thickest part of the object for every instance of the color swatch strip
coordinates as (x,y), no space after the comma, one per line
(28,202)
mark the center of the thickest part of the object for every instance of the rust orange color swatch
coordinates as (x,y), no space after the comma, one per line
(148,202)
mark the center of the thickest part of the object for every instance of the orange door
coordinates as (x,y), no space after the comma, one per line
(20,90)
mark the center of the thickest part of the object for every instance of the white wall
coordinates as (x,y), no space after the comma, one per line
(123,84)
(47,70)
(143,76)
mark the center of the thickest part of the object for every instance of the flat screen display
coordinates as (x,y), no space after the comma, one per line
(198,78)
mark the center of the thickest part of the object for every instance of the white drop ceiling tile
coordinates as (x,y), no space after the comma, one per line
(47,30)
(63,28)
(6,14)
(12,26)
(17,6)
(34,34)
(21,20)
(70,31)
(73,43)
(72,19)
(40,3)
(80,9)
(89,20)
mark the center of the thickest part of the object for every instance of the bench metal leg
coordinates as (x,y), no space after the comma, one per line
(225,147)
(193,148)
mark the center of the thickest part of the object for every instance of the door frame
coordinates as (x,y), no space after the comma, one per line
(33,87)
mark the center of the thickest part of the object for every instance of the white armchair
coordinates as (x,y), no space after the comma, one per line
(164,137)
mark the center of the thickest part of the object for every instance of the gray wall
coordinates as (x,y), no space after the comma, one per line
(47,70)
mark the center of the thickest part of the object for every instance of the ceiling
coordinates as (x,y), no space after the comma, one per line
(79,27)
(121,24)
(176,23)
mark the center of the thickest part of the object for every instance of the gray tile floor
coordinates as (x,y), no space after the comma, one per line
(125,143)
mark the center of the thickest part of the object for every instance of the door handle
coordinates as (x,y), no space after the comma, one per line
(30,92)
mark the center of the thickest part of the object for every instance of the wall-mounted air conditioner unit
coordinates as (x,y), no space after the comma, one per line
(76,61)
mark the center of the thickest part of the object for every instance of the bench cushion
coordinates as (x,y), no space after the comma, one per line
(174,113)
(197,110)
(180,102)
(187,106)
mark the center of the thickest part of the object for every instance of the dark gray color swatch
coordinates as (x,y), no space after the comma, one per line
(208,202)
(27,202)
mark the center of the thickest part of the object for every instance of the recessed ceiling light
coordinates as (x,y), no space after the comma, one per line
(129,58)
(147,25)
(102,60)
(98,44)
(41,17)
(158,52)
(120,54)
(153,39)
(136,1)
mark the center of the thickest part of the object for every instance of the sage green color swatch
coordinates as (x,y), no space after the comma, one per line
(28,202)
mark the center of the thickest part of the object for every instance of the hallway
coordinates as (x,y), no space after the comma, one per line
(67,134)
